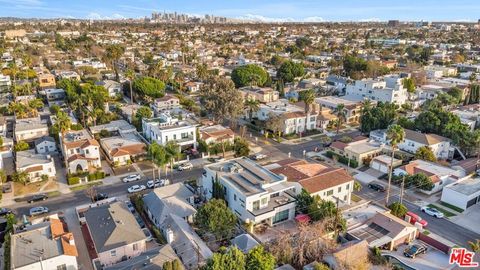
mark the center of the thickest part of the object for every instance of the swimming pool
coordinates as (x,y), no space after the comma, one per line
(396,262)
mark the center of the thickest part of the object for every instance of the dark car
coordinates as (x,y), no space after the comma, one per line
(140,221)
(5,211)
(38,197)
(414,250)
(376,187)
(100,196)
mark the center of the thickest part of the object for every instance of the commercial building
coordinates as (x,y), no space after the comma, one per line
(462,194)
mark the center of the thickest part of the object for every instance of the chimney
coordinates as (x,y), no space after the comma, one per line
(71,241)
(169,235)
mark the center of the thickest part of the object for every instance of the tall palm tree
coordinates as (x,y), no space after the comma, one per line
(34,105)
(396,135)
(308,98)
(366,106)
(340,113)
(12,66)
(252,105)
(63,122)
(173,152)
(158,154)
(130,74)
(113,53)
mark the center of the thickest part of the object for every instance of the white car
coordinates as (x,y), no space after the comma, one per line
(130,178)
(185,166)
(259,156)
(38,210)
(157,183)
(136,188)
(432,212)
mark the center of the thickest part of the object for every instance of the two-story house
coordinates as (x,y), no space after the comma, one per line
(166,128)
(252,192)
(263,95)
(80,151)
(114,88)
(35,165)
(389,89)
(29,129)
(216,134)
(168,102)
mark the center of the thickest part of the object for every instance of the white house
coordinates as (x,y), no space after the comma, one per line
(254,193)
(167,102)
(45,145)
(114,88)
(35,165)
(166,128)
(439,145)
(29,129)
(80,151)
(44,245)
(389,89)
(462,194)
(382,163)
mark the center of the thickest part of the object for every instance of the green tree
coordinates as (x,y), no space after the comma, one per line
(130,75)
(252,105)
(422,181)
(158,155)
(474,246)
(241,147)
(113,53)
(290,70)
(357,186)
(397,209)
(217,189)
(395,135)
(149,87)
(62,122)
(303,42)
(425,153)
(259,259)
(20,177)
(221,99)
(249,75)
(341,116)
(143,112)
(304,200)
(231,258)
(173,152)
(409,84)
(216,218)
(21,146)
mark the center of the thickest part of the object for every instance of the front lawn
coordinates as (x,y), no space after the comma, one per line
(445,212)
(83,187)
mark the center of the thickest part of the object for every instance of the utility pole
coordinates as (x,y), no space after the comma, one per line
(401,190)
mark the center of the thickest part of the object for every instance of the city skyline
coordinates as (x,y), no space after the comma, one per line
(268,11)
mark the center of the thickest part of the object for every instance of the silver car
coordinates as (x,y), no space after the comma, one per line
(38,210)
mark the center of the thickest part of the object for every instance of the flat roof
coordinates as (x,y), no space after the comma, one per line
(468,187)
(30,157)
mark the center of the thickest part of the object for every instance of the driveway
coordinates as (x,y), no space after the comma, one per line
(83,258)
(432,260)
(364,177)
(469,219)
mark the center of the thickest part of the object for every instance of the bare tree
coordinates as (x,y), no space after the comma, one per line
(91,193)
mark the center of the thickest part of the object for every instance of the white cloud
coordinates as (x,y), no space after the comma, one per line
(260,18)
(314,19)
(371,20)
(98,16)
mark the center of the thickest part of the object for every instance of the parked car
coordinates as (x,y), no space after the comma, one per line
(259,156)
(131,178)
(376,187)
(130,206)
(38,210)
(148,235)
(100,196)
(414,250)
(5,211)
(140,221)
(414,218)
(185,166)
(432,212)
(37,197)
(136,188)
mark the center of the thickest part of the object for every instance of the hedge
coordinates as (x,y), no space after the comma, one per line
(96,176)
(73,180)
(453,207)
(342,159)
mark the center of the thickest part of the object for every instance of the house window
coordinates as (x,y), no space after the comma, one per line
(348,186)
(339,189)
(264,201)
(113,253)
(256,205)
(235,197)
(174,136)
(330,192)
(62,267)
(86,151)
(135,247)
(281,216)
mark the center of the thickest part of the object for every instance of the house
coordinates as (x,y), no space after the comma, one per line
(117,127)
(55,96)
(216,134)
(252,192)
(384,230)
(389,89)
(361,149)
(70,75)
(193,87)
(462,194)
(45,145)
(35,165)
(469,115)
(263,95)
(338,83)
(188,246)
(115,233)
(114,88)
(317,179)
(123,149)
(440,146)
(29,129)
(171,199)
(152,259)
(166,128)
(382,163)
(352,109)
(5,83)
(46,80)
(46,245)
(168,102)
(80,151)
(439,174)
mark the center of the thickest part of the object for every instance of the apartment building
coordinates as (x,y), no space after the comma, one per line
(352,108)
(165,128)
(263,95)
(388,89)
(254,193)
(80,151)
(46,245)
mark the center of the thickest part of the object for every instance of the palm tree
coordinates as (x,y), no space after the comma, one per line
(63,122)
(253,106)
(158,154)
(20,177)
(34,105)
(308,98)
(366,107)
(474,246)
(340,112)
(113,53)
(173,152)
(12,66)
(130,74)
(396,135)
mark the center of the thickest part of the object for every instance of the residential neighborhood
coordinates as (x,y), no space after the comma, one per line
(179,141)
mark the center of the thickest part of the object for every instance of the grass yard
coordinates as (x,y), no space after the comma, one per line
(83,187)
(356,198)
(445,212)
(453,207)
(21,189)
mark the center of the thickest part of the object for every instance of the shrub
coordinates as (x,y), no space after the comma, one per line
(96,176)
(342,159)
(73,180)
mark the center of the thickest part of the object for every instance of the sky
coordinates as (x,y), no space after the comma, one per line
(264,10)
